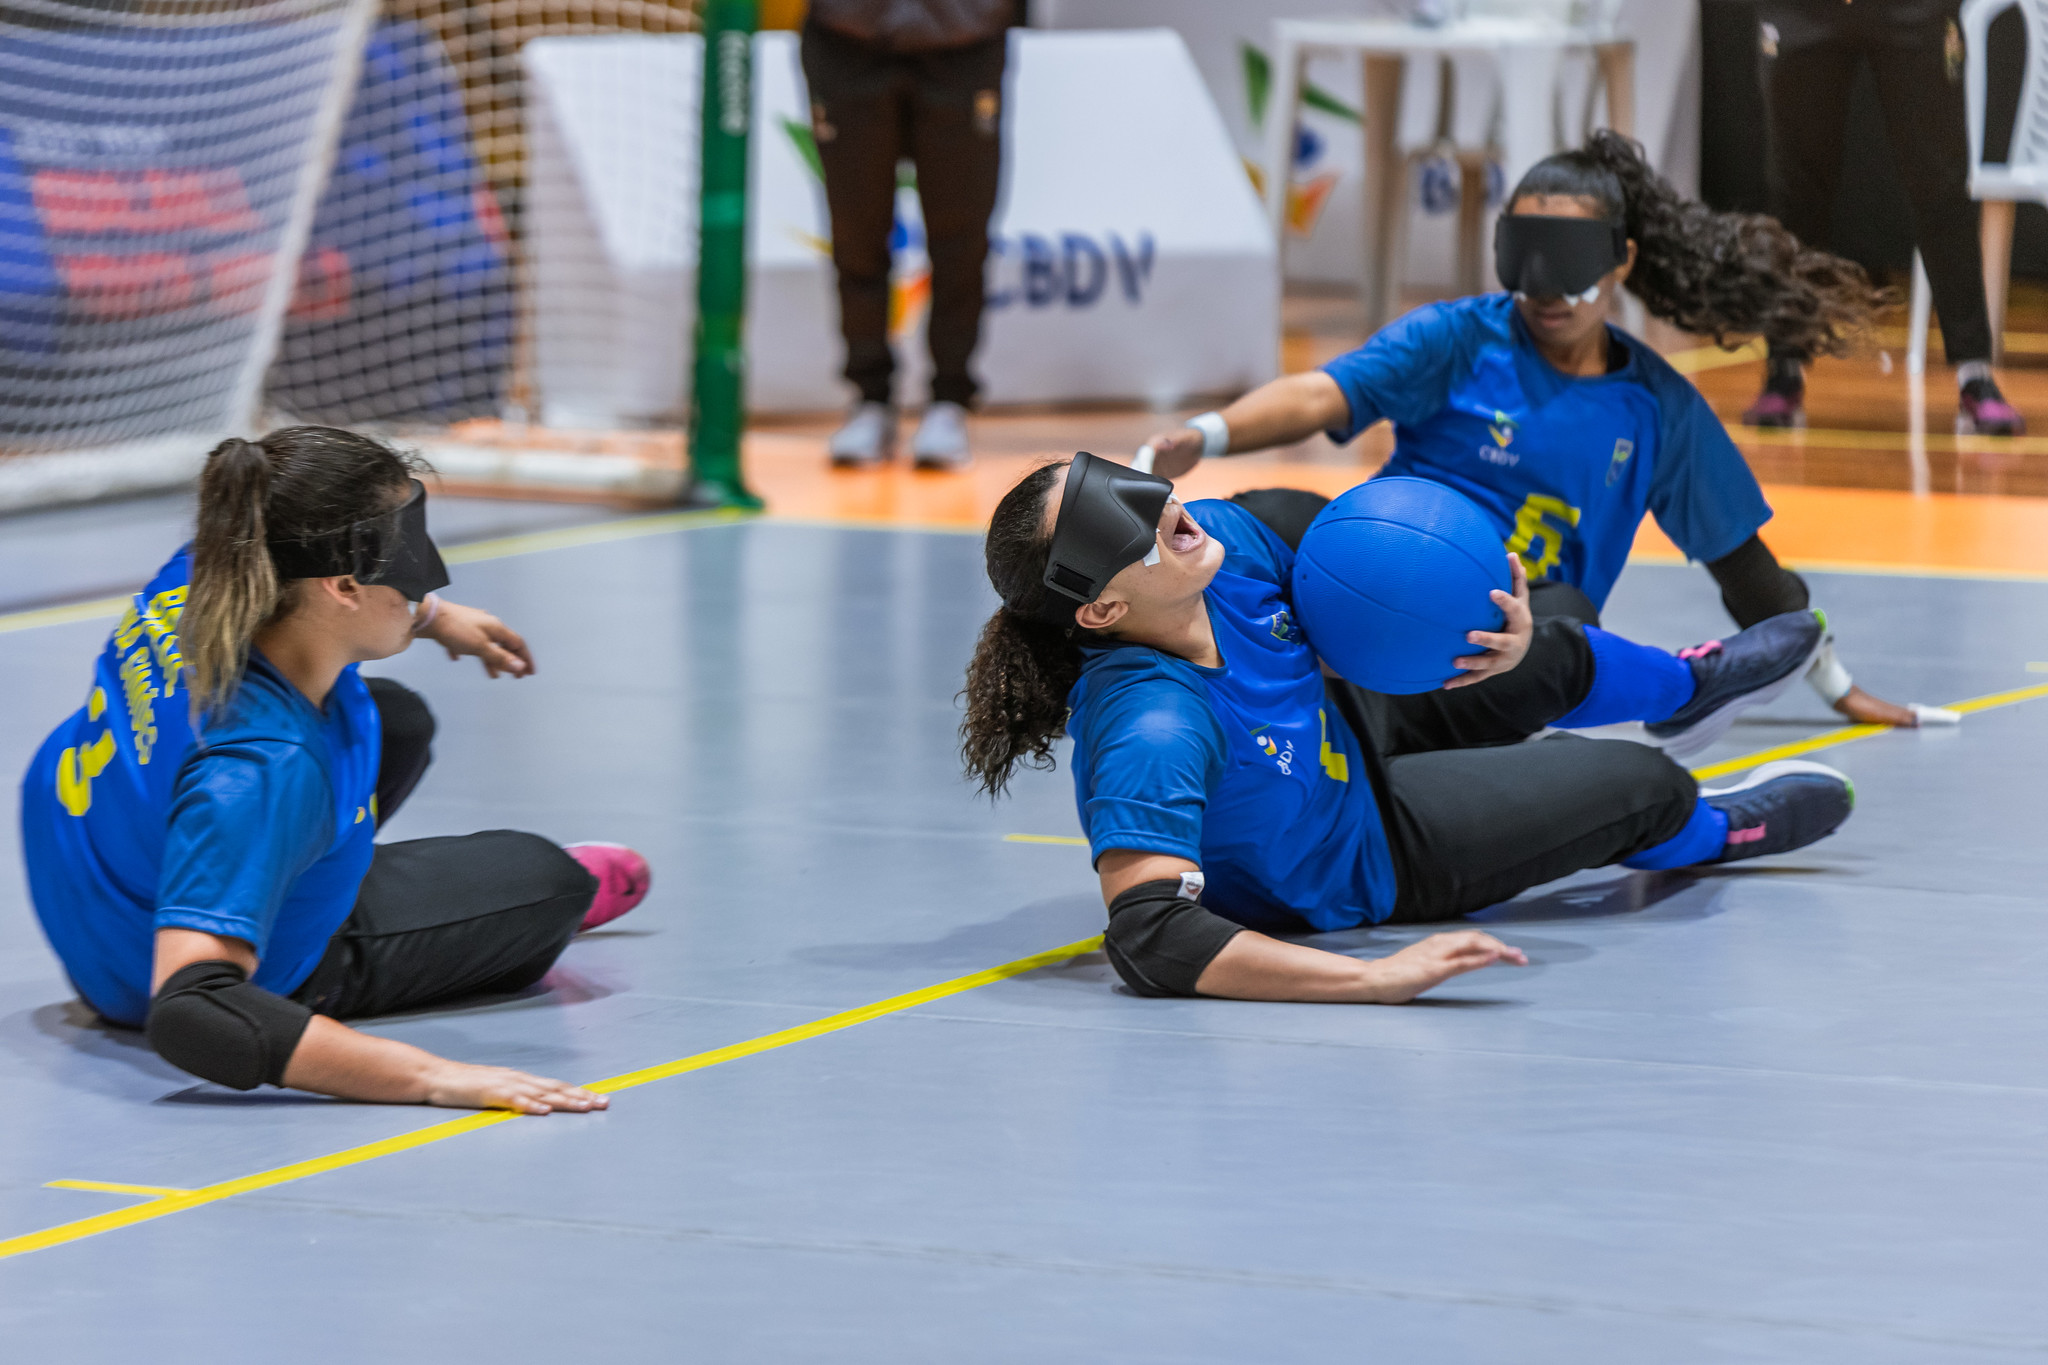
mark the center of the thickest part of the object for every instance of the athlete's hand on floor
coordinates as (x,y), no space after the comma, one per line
(467,630)
(1865,709)
(1175,452)
(1437,959)
(1504,649)
(459,1085)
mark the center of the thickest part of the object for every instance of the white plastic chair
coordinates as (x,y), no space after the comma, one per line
(2022,176)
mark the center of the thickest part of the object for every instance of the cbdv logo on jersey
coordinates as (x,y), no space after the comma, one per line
(1077,271)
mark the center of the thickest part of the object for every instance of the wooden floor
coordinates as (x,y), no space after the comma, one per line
(1877,480)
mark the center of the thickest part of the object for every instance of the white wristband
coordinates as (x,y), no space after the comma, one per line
(420,623)
(1827,675)
(1215,434)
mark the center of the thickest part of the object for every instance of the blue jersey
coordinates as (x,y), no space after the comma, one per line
(1565,466)
(1244,770)
(260,831)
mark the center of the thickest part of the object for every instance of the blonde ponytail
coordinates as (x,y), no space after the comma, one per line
(235,587)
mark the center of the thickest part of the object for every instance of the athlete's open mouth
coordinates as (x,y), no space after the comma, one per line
(1185,535)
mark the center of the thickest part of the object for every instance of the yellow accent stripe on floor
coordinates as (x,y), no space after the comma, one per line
(439,1132)
(1849,734)
(1851,438)
(1700,358)
(99,609)
(110,1187)
(1045,839)
(598,533)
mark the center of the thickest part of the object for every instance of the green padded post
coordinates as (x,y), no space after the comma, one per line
(718,369)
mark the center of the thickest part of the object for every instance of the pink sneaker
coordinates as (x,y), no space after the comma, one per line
(1981,410)
(1773,408)
(622,880)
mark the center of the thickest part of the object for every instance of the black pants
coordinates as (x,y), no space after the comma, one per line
(1821,43)
(440,919)
(1475,816)
(871,108)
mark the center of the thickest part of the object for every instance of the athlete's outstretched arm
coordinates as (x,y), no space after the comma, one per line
(1153,935)
(216,1025)
(1289,409)
(469,630)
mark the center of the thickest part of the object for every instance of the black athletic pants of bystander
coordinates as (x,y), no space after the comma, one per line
(871,108)
(1812,51)
(440,919)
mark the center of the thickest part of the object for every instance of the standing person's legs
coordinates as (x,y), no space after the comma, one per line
(956,140)
(440,919)
(1806,100)
(857,113)
(1924,121)
(1471,828)
(408,744)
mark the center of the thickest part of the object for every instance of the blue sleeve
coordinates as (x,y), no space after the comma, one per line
(1251,549)
(1154,747)
(1405,372)
(246,819)
(1702,492)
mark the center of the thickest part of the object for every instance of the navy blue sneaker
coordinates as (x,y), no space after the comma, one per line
(1781,806)
(1729,677)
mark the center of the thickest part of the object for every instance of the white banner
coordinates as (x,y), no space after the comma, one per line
(1131,259)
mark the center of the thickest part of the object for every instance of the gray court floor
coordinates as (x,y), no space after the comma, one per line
(1797,1111)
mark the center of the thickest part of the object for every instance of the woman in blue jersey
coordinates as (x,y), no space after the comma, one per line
(1230,792)
(1567,430)
(199,834)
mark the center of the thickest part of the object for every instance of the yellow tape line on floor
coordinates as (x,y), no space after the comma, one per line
(167,1204)
(1849,734)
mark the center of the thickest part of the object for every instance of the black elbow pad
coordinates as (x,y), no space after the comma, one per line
(1160,942)
(210,1021)
(1755,586)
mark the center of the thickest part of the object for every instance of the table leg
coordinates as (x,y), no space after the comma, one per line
(1471,222)
(1385,188)
(1995,229)
(1618,73)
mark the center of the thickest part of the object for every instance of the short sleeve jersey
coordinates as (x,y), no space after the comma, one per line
(1244,770)
(259,829)
(1565,466)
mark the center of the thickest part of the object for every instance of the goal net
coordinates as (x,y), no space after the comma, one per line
(216,214)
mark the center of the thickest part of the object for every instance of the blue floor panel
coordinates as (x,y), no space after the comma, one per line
(1793,1111)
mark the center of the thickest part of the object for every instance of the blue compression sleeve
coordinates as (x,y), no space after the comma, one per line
(1630,682)
(1704,835)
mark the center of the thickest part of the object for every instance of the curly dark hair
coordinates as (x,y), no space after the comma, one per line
(1023,667)
(1714,274)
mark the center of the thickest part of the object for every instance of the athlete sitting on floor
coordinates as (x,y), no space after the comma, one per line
(1563,428)
(199,834)
(1227,788)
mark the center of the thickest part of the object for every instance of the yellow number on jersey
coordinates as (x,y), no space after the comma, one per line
(1334,761)
(1545,519)
(76,768)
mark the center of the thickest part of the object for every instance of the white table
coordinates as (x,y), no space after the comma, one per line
(1526,53)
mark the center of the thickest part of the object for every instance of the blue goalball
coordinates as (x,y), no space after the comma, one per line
(1391,576)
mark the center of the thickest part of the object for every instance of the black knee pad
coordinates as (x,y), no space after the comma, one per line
(404,713)
(1286,511)
(1160,942)
(1552,600)
(210,1021)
